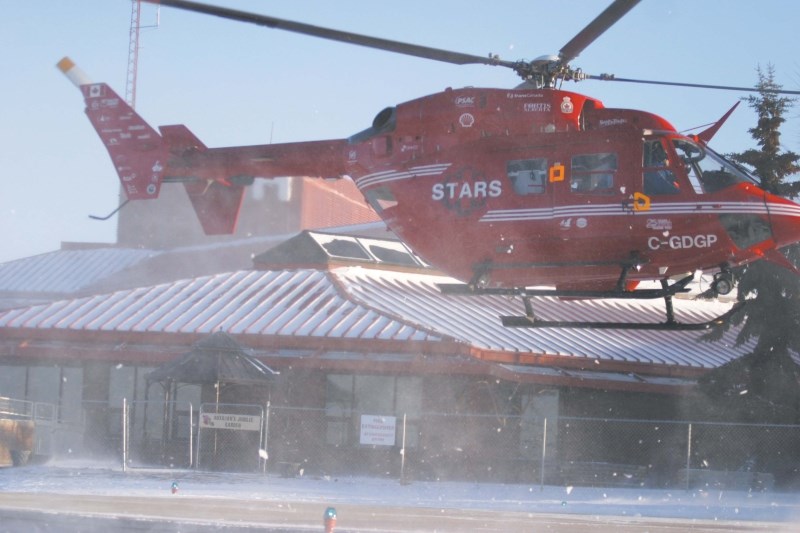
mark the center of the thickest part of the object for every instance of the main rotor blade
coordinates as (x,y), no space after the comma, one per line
(607,77)
(595,29)
(424,52)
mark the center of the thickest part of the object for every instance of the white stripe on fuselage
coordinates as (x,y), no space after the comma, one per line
(672,208)
(394,175)
(584,210)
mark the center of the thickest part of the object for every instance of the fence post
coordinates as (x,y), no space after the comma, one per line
(689,457)
(403,453)
(191,435)
(265,449)
(199,438)
(544,453)
(124,434)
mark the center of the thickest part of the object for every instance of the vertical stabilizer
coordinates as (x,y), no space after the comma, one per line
(136,149)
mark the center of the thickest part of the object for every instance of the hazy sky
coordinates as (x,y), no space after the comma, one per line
(233,84)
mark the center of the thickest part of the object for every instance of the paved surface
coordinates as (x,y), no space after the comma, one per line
(43,512)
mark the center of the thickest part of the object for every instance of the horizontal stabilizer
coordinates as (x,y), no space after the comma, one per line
(180,139)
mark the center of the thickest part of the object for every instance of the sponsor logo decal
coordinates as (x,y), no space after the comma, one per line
(466,190)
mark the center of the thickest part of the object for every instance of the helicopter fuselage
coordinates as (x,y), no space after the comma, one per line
(501,189)
(495,187)
(547,187)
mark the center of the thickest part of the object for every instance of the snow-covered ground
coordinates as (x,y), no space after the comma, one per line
(65,478)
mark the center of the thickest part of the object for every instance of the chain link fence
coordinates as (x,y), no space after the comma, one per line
(560,450)
(289,441)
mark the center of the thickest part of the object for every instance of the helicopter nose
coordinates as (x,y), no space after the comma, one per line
(784,216)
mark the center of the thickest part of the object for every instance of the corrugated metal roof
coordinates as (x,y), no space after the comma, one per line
(474,319)
(67,271)
(355,303)
(297,303)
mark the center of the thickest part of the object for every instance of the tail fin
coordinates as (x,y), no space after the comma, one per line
(140,154)
(136,149)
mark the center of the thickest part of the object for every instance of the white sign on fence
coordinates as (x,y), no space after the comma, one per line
(228,421)
(378,430)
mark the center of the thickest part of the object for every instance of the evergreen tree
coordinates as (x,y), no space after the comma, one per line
(768,162)
(772,312)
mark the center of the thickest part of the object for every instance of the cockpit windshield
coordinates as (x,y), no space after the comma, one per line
(708,171)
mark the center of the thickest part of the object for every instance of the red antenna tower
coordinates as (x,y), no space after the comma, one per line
(133,53)
(133,49)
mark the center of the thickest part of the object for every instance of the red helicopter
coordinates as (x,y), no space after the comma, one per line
(503,189)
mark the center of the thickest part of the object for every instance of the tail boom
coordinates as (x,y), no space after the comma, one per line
(214,178)
(318,159)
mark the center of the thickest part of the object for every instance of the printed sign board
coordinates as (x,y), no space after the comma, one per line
(378,430)
(228,421)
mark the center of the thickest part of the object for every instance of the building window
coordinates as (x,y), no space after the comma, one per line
(60,387)
(121,384)
(44,384)
(71,406)
(12,381)
(350,396)
(374,395)
(338,408)
(535,409)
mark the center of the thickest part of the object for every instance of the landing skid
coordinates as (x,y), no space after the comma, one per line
(532,322)
(463,289)
(529,320)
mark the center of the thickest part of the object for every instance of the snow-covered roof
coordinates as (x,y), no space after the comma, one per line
(67,271)
(293,303)
(82,268)
(474,319)
(366,304)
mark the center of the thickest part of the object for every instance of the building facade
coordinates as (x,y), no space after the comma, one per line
(359,337)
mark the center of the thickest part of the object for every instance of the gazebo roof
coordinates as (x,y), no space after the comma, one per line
(215,359)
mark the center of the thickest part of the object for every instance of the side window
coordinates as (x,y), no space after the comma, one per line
(593,173)
(708,171)
(527,176)
(659,179)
